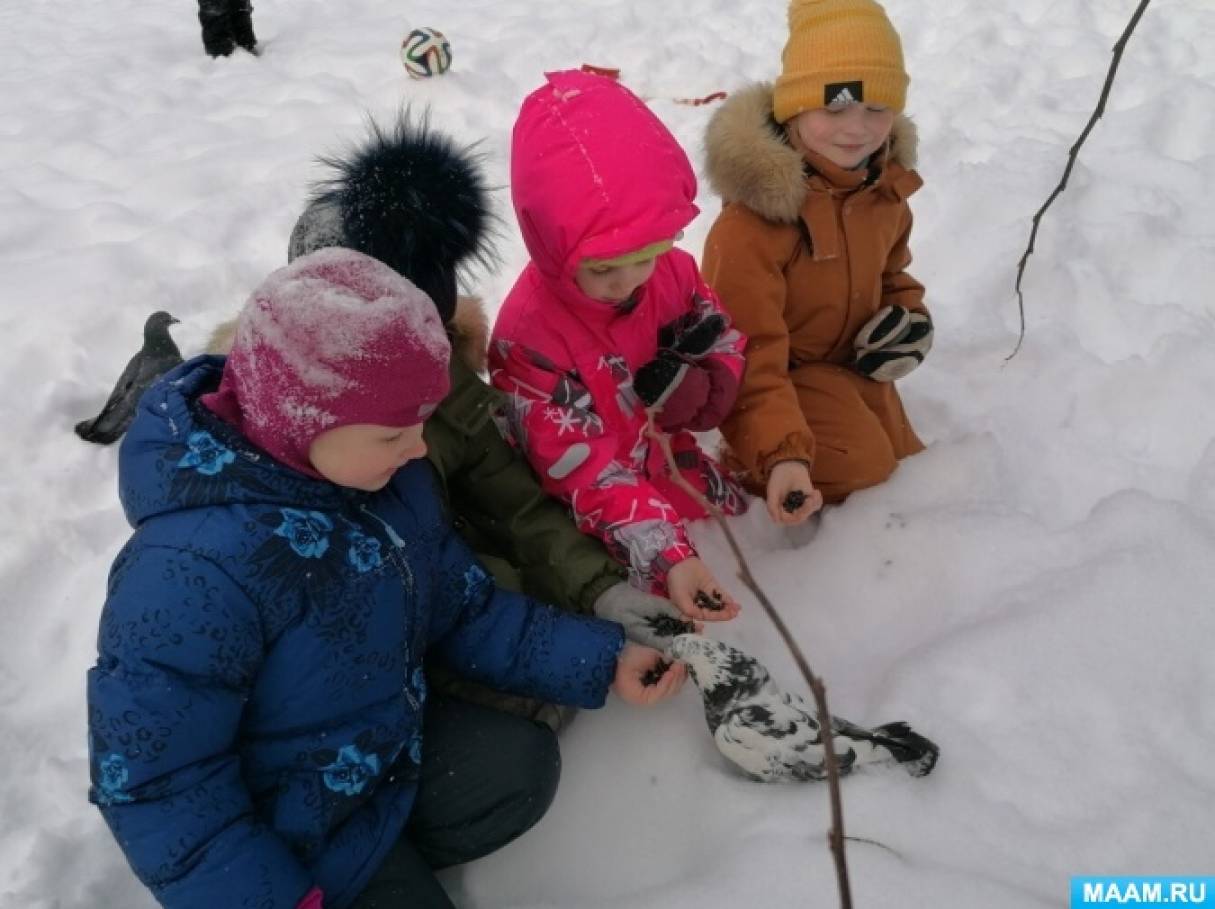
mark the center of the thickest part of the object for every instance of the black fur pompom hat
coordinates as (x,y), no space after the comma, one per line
(410,197)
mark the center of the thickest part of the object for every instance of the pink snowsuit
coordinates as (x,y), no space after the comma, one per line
(594,175)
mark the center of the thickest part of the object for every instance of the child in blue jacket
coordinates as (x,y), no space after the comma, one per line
(259,728)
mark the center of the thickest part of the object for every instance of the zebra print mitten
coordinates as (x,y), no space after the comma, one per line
(892,343)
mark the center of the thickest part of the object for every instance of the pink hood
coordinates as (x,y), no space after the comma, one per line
(583,192)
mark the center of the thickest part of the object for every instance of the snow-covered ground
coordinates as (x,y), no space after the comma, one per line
(1034,592)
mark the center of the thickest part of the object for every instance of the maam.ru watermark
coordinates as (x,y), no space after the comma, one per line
(1143,891)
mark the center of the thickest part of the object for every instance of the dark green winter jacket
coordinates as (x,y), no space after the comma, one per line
(527,539)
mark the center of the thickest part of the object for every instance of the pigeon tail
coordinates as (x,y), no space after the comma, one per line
(88,430)
(914,753)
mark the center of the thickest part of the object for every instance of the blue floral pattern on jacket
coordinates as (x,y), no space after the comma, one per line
(255,710)
(205,454)
(306,531)
(352,770)
(112,775)
(364,552)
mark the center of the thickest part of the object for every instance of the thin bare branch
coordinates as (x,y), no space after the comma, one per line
(1071,162)
(867,841)
(835,836)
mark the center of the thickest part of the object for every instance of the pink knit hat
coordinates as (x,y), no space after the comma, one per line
(335,338)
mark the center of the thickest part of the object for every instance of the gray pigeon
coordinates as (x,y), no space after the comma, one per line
(158,355)
(773,736)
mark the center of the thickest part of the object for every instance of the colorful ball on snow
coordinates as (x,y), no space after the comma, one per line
(425,52)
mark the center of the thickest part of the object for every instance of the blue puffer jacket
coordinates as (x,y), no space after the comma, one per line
(254,714)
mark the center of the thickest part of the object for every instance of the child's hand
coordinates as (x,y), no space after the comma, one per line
(696,593)
(644,676)
(791,496)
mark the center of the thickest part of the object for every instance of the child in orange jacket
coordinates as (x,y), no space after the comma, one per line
(809,257)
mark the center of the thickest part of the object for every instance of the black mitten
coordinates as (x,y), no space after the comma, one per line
(655,381)
(698,340)
(892,343)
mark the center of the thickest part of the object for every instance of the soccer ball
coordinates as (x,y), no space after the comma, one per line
(425,52)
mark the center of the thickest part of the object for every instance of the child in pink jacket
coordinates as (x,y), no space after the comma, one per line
(609,320)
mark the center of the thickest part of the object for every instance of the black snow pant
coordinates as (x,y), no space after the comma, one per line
(226,25)
(486,778)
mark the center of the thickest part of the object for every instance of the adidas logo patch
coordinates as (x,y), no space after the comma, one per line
(841,94)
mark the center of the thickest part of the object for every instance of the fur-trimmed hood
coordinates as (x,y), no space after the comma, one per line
(749,161)
(469,333)
(468,330)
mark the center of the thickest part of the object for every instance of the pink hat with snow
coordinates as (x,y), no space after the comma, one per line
(336,338)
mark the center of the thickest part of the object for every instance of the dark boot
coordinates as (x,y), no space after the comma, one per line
(216,29)
(240,19)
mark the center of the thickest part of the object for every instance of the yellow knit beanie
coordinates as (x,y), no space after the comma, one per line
(839,51)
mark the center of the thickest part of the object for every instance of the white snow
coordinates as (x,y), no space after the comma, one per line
(1034,592)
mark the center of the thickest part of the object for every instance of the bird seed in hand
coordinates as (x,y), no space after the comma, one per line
(793,501)
(652,676)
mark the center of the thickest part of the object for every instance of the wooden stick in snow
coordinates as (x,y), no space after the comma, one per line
(1071,162)
(835,836)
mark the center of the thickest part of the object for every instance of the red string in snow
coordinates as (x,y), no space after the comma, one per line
(696,102)
(611,72)
(606,71)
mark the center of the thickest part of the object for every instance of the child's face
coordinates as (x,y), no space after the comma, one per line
(843,135)
(363,455)
(613,283)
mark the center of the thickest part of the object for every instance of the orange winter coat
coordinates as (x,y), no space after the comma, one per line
(802,255)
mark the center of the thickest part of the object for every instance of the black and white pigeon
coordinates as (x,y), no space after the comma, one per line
(773,736)
(157,356)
